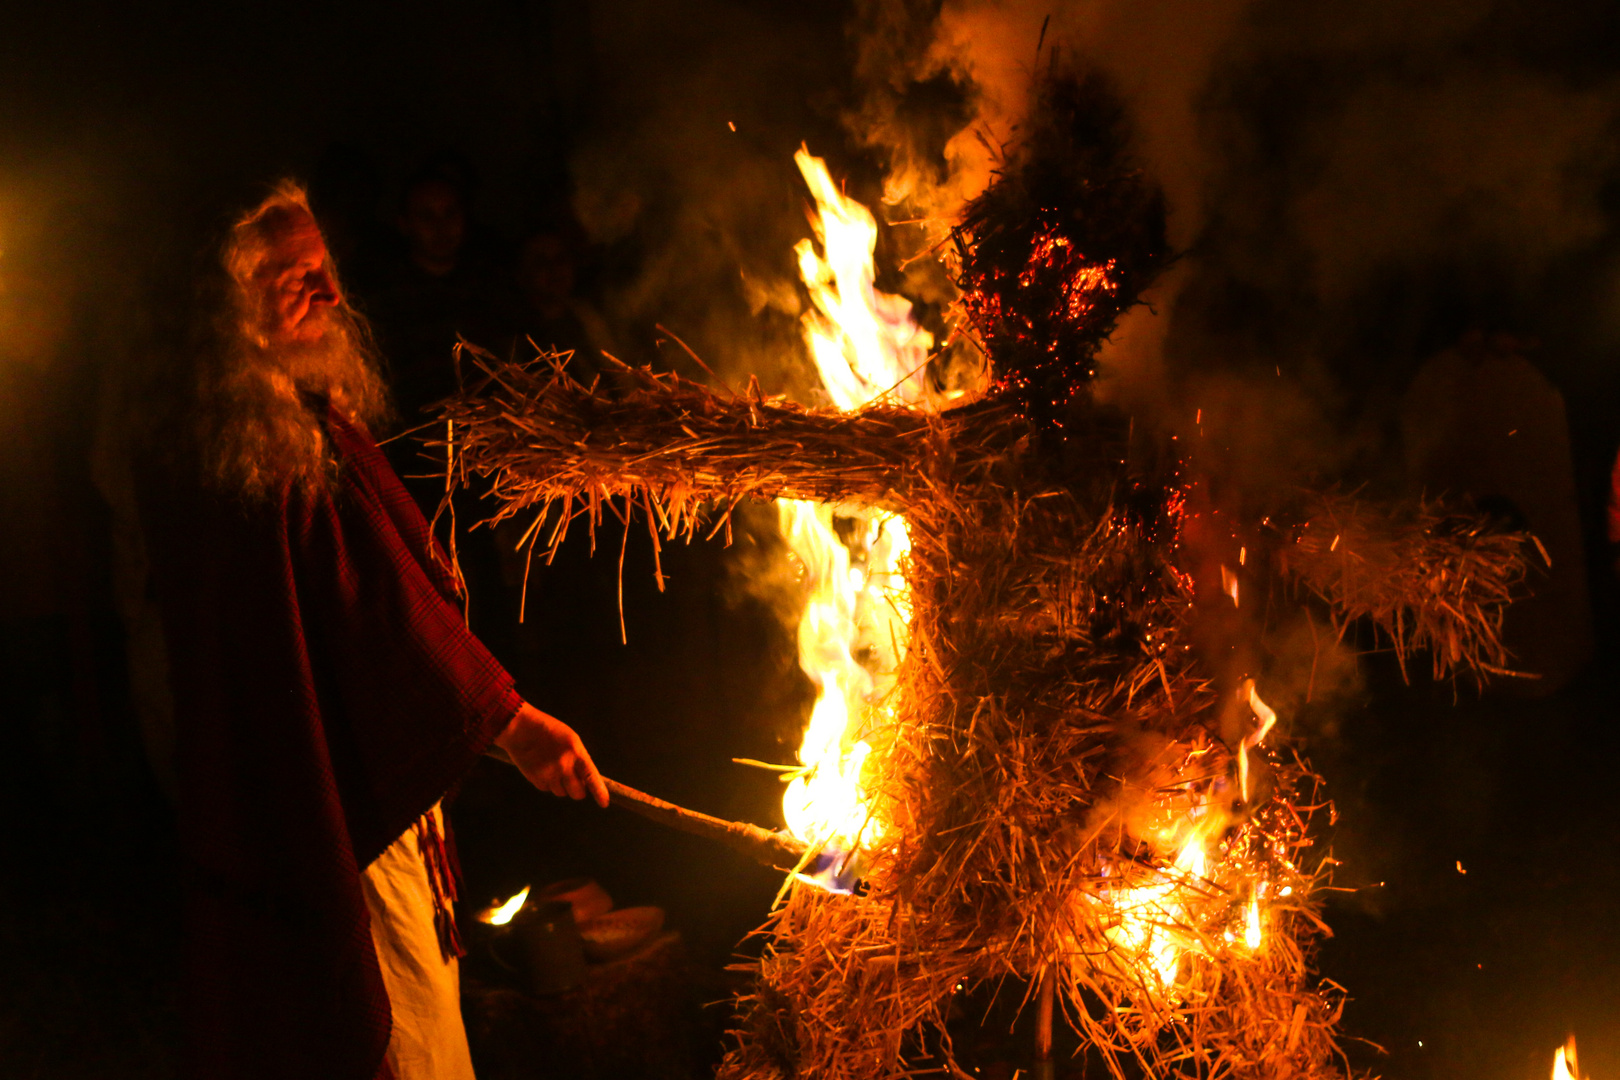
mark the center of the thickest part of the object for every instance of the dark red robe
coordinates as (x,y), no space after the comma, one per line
(327,692)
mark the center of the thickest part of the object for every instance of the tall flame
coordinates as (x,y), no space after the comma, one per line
(865,343)
(854,630)
(855,625)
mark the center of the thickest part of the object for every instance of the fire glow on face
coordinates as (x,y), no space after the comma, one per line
(856,620)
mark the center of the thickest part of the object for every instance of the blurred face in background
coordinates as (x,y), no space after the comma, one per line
(434,225)
(546,269)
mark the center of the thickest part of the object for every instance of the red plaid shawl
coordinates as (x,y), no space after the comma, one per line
(327,693)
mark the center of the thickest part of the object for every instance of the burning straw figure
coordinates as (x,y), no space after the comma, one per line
(1046,791)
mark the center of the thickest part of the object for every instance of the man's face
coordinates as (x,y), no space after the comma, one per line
(434,223)
(548,272)
(295,283)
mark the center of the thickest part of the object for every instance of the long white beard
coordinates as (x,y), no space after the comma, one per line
(259,435)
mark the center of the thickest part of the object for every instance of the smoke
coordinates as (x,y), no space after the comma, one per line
(687,177)
(1351,188)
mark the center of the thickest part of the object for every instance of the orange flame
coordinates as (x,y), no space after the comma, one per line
(1267,718)
(501,914)
(1152,919)
(865,343)
(1157,924)
(1565,1065)
(855,625)
(1253,933)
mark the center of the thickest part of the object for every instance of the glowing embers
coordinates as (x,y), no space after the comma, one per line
(1057,284)
(1078,279)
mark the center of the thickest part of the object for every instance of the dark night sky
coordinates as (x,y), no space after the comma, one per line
(1356,187)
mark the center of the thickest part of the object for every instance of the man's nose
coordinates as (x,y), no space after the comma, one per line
(323,291)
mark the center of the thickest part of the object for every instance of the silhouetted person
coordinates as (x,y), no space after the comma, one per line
(438,290)
(550,312)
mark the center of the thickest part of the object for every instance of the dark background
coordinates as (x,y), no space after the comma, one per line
(1359,187)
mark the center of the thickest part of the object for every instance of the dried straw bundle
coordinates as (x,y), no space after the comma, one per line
(1046,756)
(674,449)
(1426,576)
(1049,760)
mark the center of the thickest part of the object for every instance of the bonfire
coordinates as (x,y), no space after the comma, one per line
(1048,774)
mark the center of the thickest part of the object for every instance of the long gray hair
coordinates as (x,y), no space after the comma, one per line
(255,435)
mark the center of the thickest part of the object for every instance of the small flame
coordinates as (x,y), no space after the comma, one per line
(501,914)
(1565,1065)
(1267,718)
(1253,934)
(1150,916)
(1229,584)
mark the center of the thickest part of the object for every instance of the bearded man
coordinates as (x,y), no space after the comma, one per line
(326,690)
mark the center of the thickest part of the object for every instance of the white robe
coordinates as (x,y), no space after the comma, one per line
(428,1041)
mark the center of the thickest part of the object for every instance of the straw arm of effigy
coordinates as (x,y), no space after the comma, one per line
(673,448)
(1430,577)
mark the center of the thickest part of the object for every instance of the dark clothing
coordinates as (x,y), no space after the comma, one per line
(568,333)
(418,319)
(327,693)
(1614,502)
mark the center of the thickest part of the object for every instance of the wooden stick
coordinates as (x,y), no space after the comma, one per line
(761,845)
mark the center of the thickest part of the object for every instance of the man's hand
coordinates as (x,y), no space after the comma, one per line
(549,753)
